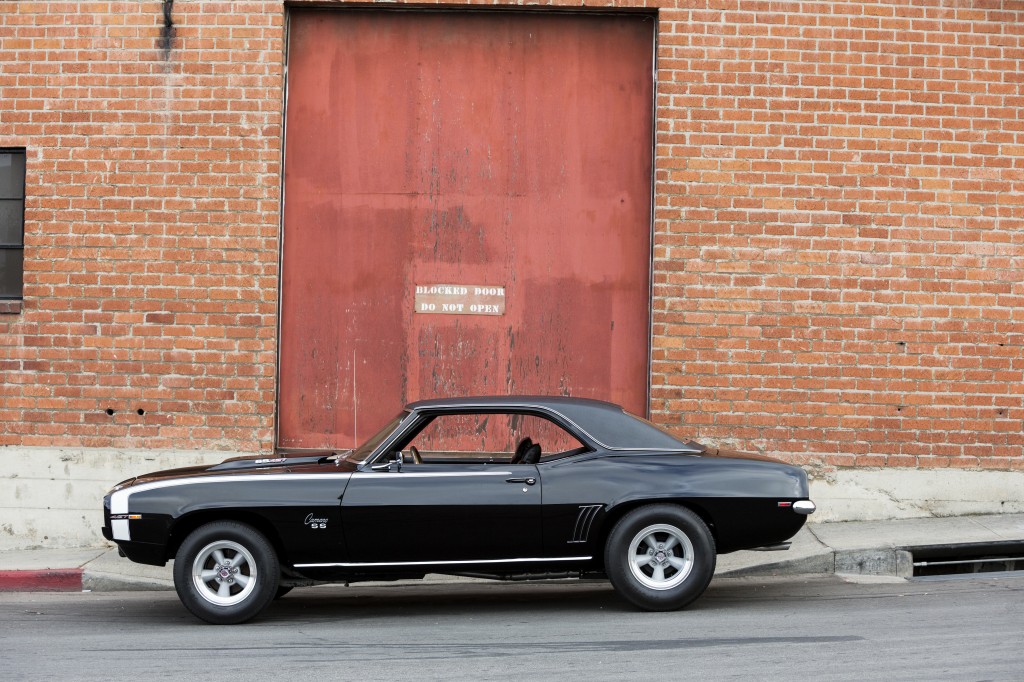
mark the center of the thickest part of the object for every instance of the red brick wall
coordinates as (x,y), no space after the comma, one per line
(839,227)
(839,260)
(151,223)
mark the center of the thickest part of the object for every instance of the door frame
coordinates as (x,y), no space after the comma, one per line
(651,13)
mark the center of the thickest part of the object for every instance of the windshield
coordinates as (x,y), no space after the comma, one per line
(364,450)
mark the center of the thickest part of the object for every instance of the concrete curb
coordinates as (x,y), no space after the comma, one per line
(43,580)
(817,564)
(96,581)
(892,562)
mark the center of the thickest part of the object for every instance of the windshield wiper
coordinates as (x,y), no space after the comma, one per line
(336,457)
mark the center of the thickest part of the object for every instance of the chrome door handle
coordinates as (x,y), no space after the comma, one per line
(527,481)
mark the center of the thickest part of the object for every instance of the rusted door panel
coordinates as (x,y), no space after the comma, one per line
(491,148)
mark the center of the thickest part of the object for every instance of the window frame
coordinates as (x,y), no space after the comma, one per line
(429,417)
(20,245)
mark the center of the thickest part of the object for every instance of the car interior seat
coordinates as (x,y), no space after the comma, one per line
(521,449)
(532,455)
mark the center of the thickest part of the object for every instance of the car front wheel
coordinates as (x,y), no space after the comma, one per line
(226,572)
(660,557)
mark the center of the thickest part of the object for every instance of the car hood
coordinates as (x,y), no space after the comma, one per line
(234,465)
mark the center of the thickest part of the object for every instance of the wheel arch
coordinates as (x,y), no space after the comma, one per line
(182,526)
(619,510)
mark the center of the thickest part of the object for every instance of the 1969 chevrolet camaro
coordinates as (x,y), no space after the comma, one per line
(505,488)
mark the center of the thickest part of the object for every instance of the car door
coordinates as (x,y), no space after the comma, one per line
(446,512)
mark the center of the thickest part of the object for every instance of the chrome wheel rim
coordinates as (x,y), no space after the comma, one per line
(660,556)
(224,573)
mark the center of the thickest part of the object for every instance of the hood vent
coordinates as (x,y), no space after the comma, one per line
(237,463)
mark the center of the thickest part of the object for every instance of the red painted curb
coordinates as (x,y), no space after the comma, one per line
(45,580)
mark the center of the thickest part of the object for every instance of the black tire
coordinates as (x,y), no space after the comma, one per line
(681,551)
(282,590)
(242,570)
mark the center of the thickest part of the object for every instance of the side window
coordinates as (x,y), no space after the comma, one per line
(490,438)
(12,222)
(553,440)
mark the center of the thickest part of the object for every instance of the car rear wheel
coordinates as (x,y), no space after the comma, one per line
(226,572)
(660,557)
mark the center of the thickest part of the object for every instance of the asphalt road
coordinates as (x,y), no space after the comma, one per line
(821,629)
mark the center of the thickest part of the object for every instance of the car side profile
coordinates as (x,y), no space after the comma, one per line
(509,488)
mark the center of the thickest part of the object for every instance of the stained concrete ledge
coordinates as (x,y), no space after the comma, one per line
(901,493)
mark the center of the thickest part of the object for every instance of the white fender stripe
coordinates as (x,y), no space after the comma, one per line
(119,500)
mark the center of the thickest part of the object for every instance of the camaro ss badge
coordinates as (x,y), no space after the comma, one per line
(316,521)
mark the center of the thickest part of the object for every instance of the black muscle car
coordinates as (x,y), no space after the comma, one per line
(505,488)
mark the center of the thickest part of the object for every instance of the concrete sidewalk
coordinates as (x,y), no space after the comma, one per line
(869,548)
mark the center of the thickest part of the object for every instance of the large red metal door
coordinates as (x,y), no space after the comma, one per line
(510,150)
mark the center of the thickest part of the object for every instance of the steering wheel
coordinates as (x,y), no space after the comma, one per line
(415,455)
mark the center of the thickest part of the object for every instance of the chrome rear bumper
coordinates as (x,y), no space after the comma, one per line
(804,507)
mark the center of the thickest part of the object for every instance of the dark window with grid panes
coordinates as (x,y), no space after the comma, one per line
(12,222)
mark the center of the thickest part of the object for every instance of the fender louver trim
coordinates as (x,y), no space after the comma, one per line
(584,520)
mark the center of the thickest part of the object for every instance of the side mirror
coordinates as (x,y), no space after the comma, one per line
(392,464)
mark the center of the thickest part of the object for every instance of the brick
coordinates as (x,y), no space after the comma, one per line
(874,150)
(97,236)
